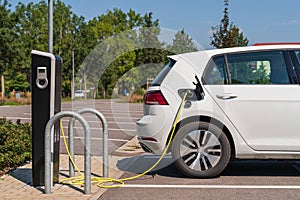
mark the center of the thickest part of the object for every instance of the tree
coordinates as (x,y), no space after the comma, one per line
(151,55)
(114,55)
(9,48)
(127,40)
(226,34)
(32,28)
(68,38)
(182,43)
(149,44)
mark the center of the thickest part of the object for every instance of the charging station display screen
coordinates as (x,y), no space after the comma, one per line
(41,70)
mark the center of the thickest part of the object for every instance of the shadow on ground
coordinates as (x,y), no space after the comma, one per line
(25,175)
(22,174)
(139,164)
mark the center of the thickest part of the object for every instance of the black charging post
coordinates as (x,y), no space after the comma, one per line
(46,101)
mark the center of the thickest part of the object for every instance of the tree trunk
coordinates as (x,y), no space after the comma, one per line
(84,84)
(2,86)
(60,40)
(72,79)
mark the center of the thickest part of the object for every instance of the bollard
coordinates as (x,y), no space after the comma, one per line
(71,147)
(87,149)
(105,140)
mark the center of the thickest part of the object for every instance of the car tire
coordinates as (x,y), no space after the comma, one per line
(201,150)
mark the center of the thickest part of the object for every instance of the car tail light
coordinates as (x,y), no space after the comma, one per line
(149,139)
(155,98)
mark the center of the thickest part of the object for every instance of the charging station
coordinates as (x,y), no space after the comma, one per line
(46,102)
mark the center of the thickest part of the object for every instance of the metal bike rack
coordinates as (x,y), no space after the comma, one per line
(87,149)
(105,140)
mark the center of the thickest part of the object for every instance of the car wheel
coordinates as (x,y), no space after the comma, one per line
(201,149)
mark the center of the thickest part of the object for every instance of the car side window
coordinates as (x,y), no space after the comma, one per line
(298,55)
(215,73)
(258,68)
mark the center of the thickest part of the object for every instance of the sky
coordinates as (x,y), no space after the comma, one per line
(259,20)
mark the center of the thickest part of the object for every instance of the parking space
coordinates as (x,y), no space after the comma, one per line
(241,180)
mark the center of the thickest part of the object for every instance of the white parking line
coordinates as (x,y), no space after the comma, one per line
(115,140)
(21,118)
(128,117)
(110,129)
(109,122)
(214,186)
(114,117)
(117,110)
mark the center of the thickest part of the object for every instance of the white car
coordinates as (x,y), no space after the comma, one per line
(79,93)
(242,103)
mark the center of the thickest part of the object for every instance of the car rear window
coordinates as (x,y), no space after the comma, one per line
(163,73)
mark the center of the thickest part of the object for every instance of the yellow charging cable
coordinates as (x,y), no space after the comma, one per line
(79,180)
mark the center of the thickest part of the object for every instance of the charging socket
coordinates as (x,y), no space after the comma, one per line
(41,80)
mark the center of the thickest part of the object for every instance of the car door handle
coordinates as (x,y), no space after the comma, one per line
(226,96)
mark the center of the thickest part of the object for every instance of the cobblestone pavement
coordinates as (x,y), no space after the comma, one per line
(17,183)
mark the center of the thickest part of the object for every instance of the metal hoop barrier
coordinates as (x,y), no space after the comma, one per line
(87,150)
(104,139)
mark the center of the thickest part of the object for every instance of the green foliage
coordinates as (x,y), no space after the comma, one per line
(144,57)
(182,43)
(131,40)
(32,26)
(18,83)
(140,91)
(15,144)
(262,75)
(9,48)
(247,73)
(126,50)
(10,103)
(226,34)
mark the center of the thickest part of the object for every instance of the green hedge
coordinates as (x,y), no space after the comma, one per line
(15,144)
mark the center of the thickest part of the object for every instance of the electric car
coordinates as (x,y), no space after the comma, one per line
(241,103)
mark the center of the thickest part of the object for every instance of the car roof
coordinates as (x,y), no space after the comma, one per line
(238,49)
(200,58)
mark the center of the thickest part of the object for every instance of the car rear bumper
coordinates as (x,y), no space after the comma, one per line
(153,130)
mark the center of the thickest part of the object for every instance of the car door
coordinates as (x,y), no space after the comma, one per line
(259,94)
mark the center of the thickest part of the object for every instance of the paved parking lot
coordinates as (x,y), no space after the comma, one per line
(121,118)
(241,180)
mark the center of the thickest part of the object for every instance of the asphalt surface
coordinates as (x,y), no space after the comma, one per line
(121,118)
(241,180)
